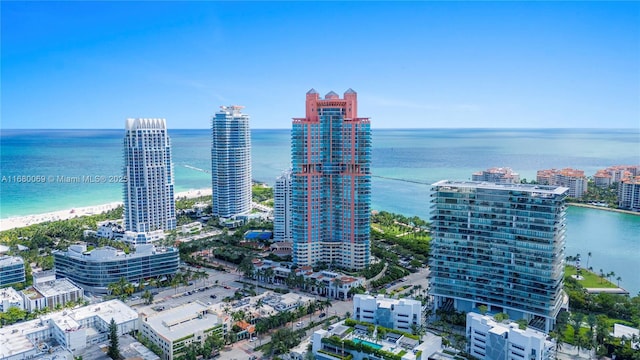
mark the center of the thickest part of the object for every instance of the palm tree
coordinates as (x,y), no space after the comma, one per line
(246,266)
(588,257)
(559,341)
(188,275)
(259,275)
(175,281)
(140,285)
(321,305)
(118,288)
(268,273)
(306,284)
(327,303)
(337,283)
(129,289)
(290,280)
(310,284)
(610,274)
(619,279)
(322,286)
(114,289)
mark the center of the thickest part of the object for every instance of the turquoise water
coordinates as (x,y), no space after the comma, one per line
(425,155)
(368,343)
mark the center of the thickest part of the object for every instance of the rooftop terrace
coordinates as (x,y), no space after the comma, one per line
(532,188)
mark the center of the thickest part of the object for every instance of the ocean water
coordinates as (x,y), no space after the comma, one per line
(421,155)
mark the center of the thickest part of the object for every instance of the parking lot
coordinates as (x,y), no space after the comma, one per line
(171,297)
(219,285)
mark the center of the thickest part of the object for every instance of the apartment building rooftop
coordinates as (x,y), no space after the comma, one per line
(6,260)
(386,302)
(565,172)
(57,287)
(631,180)
(401,344)
(497,175)
(181,321)
(109,253)
(532,188)
(17,338)
(9,295)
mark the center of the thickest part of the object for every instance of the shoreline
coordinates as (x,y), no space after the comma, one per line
(589,206)
(26,220)
(23,221)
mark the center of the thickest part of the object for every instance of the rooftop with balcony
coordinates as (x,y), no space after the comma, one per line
(350,339)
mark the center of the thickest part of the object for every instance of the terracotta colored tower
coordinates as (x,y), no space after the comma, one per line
(331,182)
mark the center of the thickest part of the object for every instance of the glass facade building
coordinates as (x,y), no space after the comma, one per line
(282,207)
(501,246)
(11,270)
(230,162)
(94,270)
(331,182)
(149,203)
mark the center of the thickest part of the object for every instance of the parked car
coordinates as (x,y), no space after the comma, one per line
(322,315)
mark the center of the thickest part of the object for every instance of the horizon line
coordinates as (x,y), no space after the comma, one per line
(375,128)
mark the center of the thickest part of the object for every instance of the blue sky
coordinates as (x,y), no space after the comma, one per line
(414,64)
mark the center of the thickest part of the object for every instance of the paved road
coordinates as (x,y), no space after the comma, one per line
(244,349)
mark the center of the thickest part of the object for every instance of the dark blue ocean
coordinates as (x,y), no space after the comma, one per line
(420,155)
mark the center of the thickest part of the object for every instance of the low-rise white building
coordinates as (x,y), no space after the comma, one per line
(174,329)
(139,238)
(51,294)
(191,228)
(73,330)
(325,283)
(620,331)
(9,298)
(399,314)
(492,340)
(347,338)
(110,229)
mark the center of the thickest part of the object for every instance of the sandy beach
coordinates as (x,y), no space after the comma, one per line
(22,221)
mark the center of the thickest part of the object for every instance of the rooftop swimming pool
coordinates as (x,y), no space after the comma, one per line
(368,343)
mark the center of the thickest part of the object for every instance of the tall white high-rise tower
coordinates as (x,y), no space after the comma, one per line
(230,162)
(149,203)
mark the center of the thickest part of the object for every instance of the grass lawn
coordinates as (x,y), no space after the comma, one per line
(590,280)
(569,334)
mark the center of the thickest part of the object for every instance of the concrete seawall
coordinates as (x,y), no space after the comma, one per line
(616,291)
(604,208)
